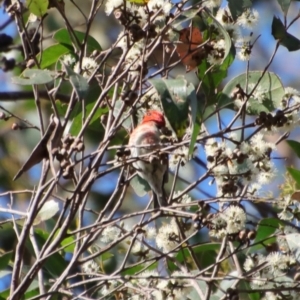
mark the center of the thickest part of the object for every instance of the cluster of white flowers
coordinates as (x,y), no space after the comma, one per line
(231,221)
(272,272)
(180,155)
(289,208)
(291,98)
(245,47)
(260,94)
(212,3)
(280,262)
(138,16)
(141,12)
(90,267)
(109,287)
(110,234)
(88,66)
(134,58)
(69,60)
(246,164)
(183,199)
(168,236)
(290,294)
(223,16)
(216,55)
(175,288)
(247,20)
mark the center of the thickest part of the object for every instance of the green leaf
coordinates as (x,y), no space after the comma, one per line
(34,76)
(48,211)
(33,289)
(4,260)
(68,243)
(76,114)
(77,121)
(285,39)
(290,42)
(278,29)
(206,254)
(266,97)
(245,285)
(37,7)
(238,7)
(295,146)
(265,229)
(78,82)
(211,80)
(176,95)
(63,37)
(138,268)
(295,174)
(228,42)
(284,4)
(188,15)
(50,55)
(54,264)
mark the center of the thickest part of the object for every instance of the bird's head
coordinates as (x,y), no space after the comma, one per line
(154,116)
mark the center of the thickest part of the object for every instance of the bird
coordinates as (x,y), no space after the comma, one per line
(144,139)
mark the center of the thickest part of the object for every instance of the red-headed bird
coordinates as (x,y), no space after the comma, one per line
(153,168)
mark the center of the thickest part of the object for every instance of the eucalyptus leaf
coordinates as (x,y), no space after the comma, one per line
(176,96)
(37,7)
(265,229)
(79,83)
(34,76)
(51,55)
(295,146)
(280,33)
(64,37)
(295,174)
(4,260)
(266,97)
(238,7)
(284,4)
(49,210)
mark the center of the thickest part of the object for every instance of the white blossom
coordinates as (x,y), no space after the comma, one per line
(248,19)
(88,66)
(110,233)
(280,262)
(212,3)
(235,218)
(167,237)
(111,5)
(150,232)
(68,59)
(90,267)
(155,5)
(181,155)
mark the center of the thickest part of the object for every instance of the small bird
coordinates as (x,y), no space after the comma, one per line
(153,168)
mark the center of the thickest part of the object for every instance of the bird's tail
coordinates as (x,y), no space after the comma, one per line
(160,200)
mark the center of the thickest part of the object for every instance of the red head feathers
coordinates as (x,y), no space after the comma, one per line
(156,117)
